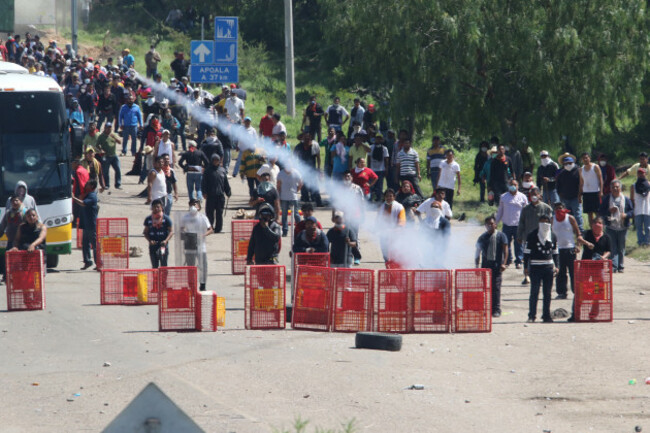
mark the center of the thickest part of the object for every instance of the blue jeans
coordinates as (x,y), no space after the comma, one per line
(235,171)
(642,223)
(576,210)
(511,234)
(378,187)
(88,244)
(550,196)
(434,172)
(194,183)
(130,131)
(168,204)
(226,158)
(107,163)
(286,204)
(617,241)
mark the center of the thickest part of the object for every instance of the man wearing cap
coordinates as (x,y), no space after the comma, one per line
(107,143)
(151,59)
(215,188)
(568,187)
(546,173)
(640,195)
(271,168)
(193,162)
(94,168)
(643,163)
(312,239)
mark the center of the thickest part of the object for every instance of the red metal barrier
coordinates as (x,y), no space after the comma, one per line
(311,259)
(265,297)
(432,294)
(129,286)
(593,297)
(312,300)
(352,302)
(112,243)
(206,311)
(241,235)
(473,300)
(177,291)
(25,272)
(393,300)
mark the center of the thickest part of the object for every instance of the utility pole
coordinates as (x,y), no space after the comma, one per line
(288,55)
(74,24)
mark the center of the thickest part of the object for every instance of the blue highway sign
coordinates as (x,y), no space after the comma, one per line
(202,52)
(214,73)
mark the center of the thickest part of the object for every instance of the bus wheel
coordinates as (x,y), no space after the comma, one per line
(52,260)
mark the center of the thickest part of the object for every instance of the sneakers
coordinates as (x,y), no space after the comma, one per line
(530,320)
(526,280)
(86,266)
(547,320)
(560,297)
(518,266)
(118,187)
(202,287)
(357,262)
(571,319)
(496,314)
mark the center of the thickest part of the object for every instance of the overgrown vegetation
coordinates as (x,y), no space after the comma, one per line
(300,426)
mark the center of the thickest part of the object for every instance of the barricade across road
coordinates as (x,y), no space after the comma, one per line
(177,302)
(264,297)
(593,296)
(473,300)
(112,243)
(241,235)
(129,286)
(25,274)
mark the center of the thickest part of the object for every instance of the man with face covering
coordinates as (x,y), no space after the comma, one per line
(541,257)
(529,219)
(264,244)
(194,228)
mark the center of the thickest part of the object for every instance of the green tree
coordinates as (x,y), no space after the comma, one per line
(537,69)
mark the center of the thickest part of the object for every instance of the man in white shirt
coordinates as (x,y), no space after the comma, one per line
(194,228)
(278,126)
(449,173)
(272,169)
(511,204)
(289,184)
(425,207)
(234,108)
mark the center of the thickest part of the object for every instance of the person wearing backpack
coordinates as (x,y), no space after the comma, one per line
(378,161)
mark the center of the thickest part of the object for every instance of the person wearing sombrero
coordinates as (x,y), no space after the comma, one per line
(568,186)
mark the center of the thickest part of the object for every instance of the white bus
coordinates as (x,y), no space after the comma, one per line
(35,148)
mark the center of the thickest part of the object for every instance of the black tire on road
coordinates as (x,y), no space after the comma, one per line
(52,260)
(378,341)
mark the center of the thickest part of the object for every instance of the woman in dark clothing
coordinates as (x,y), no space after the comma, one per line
(409,199)
(31,234)
(596,241)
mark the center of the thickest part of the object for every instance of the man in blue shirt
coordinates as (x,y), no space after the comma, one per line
(130,120)
(88,222)
(127,58)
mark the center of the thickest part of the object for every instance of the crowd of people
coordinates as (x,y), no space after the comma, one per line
(175,125)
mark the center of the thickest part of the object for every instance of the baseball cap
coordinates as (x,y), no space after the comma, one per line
(248,118)
(109,124)
(191,143)
(543,153)
(312,219)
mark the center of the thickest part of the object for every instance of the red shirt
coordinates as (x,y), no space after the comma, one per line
(364,178)
(81,176)
(266,126)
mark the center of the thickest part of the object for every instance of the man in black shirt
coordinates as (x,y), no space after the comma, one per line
(492,246)
(264,244)
(215,188)
(500,174)
(180,66)
(193,162)
(341,240)
(314,112)
(568,187)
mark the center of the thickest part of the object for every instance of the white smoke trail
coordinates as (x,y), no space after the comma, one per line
(412,246)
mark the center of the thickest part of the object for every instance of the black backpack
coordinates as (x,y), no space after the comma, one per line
(378,152)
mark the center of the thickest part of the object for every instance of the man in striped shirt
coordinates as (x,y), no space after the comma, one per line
(408,165)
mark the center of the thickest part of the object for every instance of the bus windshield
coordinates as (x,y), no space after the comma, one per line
(33,145)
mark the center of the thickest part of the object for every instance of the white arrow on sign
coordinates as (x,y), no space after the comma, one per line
(202,51)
